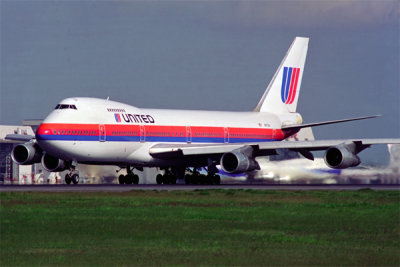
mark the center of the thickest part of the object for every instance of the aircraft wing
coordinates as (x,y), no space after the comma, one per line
(19,138)
(267,148)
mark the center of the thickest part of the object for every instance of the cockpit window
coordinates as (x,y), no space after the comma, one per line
(64,106)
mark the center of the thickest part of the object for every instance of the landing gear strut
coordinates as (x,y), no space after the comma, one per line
(129,178)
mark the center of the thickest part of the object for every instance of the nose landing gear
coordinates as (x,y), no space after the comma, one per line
(72,176)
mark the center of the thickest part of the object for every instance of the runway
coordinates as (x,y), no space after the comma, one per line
(153,187)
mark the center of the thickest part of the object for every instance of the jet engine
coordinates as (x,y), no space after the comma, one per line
(239,160)
(26,154)
(53,164)
(342,156)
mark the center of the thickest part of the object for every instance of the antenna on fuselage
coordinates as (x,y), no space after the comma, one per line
(108,98)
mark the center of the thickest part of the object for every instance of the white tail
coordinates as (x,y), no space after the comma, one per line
(283,91)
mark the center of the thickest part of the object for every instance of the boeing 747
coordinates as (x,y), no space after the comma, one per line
(105,132)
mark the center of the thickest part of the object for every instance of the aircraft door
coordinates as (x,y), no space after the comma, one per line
(226,135)
(102,133)
(142,134)
(188,134)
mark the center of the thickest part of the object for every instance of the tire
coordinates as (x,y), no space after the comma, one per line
(188,179)
(135,179)
(195,179)
(216,179)
(202,179)
(129,179)
(68,179)
(121,179)
(159,179)
(165,179)
(75,178)
(172,179)
(209,179)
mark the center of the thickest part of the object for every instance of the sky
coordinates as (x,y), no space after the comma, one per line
(206,55)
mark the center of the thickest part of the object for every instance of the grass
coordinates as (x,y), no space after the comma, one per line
(204,227)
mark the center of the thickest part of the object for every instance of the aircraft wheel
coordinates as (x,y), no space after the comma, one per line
(209,179)
(202,179)
(129,179)
(216,179)
(195,179)
(159,179)
(75,178)
(188,179)
(121,179)
(68,179)
(165,179)
(172,179)
(135,179)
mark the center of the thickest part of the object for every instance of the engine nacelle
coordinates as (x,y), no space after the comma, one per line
(53,164)
(239,160)
(26,154)
(342,156)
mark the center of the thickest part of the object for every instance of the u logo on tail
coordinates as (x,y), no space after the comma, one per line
(289,84)
(281,95)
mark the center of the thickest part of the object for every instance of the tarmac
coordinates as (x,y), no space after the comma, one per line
(154,187)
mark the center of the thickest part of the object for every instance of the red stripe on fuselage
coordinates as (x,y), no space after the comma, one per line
(159,130)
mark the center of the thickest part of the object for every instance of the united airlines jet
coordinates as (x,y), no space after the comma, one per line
(105,132)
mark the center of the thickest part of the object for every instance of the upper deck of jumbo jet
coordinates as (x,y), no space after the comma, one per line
(84,110)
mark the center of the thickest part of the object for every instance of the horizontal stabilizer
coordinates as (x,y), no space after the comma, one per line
(300,126)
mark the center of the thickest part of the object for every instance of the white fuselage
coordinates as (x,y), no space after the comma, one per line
(97,131)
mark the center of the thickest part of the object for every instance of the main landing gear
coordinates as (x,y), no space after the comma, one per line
(169,177)
(198,178)
(129,178)
(194,177)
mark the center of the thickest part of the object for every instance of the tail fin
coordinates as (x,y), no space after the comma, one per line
(283,91)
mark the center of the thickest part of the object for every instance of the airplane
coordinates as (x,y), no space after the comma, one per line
(104,132)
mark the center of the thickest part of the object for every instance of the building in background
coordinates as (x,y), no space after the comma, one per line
(11,173)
